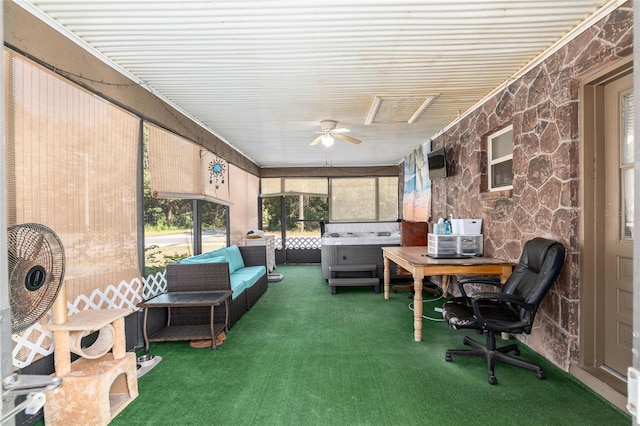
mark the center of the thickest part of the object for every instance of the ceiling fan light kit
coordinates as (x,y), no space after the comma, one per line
(329,132)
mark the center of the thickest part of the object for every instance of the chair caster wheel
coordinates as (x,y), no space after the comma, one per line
(448,357)
(493,380)
(541,375)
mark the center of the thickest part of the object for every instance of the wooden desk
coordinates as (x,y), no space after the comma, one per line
(187,332)
(416,261)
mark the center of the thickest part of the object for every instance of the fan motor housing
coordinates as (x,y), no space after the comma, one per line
(327,125)
(35,277)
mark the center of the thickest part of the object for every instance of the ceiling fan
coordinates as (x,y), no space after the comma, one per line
(328,132)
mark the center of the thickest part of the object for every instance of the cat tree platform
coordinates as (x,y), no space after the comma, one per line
(103,381)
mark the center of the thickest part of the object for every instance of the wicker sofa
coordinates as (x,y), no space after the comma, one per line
(240,269)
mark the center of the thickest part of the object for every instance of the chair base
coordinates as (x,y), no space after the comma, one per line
(491,353)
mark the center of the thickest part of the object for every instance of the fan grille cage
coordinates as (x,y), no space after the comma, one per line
(36,270)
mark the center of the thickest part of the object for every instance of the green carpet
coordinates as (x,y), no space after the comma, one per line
(302,356)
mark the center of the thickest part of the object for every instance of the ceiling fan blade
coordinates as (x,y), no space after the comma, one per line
(317,140)
(341,130)
(346,138)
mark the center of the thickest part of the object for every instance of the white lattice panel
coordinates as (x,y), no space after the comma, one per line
(125,295)
(35,343)
(154,285)
(31,343)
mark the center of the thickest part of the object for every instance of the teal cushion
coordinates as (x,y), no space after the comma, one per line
(235,258)
(222,252)
(210,254)
(237,285)
(204,259)
(192,259)
(251,274)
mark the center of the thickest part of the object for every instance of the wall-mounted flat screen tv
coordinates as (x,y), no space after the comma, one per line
(437,163)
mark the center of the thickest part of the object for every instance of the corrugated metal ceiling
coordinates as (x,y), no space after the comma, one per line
(263,74)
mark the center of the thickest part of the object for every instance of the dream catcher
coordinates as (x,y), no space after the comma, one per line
(217,169)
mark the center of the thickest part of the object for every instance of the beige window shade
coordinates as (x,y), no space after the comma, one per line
(363,199)
(274,187)
(353,199)
(388,198)
(243,214)
(71,165)
(215,178)
(270,187)
(179,168)
(174,165)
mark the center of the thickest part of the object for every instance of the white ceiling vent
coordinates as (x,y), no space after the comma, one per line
(394,109)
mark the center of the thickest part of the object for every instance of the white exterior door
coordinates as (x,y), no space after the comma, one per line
(618,224)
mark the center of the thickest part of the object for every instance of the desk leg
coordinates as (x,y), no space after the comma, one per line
(506,273)
(387,277)
(418,276)
(445,285)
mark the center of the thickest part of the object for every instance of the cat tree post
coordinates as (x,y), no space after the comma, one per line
(61,338)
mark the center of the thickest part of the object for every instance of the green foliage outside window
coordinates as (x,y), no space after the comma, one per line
(313,210)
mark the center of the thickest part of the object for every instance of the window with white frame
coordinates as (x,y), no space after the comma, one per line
(500,155)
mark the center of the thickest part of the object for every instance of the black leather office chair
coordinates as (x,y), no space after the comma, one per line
(512,310)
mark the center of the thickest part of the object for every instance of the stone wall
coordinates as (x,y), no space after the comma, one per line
(543,107)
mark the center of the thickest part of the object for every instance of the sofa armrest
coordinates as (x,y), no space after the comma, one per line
(198,277)
(254,255)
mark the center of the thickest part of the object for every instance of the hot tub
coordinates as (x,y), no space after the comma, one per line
(356,244)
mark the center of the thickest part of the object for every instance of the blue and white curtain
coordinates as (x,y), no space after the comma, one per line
(416,201)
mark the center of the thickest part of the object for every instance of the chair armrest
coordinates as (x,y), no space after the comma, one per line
(499,297)
(512,302)
(254,255)
(494,281)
